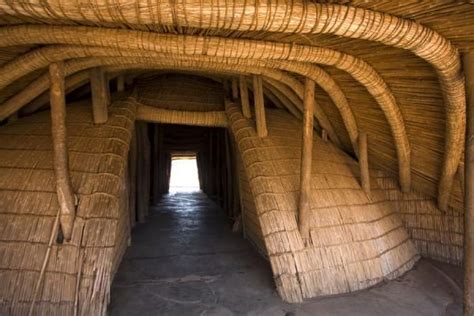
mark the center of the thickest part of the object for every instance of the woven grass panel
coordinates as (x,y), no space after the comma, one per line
(28,206)
(181,92)
(356,242)
(437,235)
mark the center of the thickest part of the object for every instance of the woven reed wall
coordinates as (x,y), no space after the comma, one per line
(437,235)
(356,242)
(28,206)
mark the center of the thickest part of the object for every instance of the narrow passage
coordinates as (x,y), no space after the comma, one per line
(185,260)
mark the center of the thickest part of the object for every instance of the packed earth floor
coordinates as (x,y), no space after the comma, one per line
(187,261)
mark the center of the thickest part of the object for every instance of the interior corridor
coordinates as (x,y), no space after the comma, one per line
(185,260)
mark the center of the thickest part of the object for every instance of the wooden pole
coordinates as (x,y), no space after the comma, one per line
(142,172)
(132,173)
(259,107)
(468,59)
(66,198)
(244,97)
(306,160)
(120,83)
(364,162)
(100,95)
(235,89)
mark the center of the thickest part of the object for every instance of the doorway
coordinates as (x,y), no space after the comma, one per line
(184,176)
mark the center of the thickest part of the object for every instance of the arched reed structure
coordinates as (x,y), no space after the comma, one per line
(336,135)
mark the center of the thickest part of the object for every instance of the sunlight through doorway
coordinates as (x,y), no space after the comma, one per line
(184,174)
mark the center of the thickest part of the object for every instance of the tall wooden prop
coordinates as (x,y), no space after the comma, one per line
(364,163)
(468,59)
(132,173)
(259,107)
(244,97)
(306,160)
(64,190)
(143,171)
(100,95)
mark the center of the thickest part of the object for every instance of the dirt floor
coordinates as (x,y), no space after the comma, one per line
(186,261)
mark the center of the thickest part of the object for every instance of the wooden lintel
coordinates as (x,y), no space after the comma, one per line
(260,119)
(66,198)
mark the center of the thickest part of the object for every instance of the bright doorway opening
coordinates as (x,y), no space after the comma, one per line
(184,174)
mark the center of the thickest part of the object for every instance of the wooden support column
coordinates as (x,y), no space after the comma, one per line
(468,61)
(66,198)
(120,83)
(132,173)
(244,97)
(100,95)
(306,160)
(259,107)
(143,171)
(235,89)
(364,162)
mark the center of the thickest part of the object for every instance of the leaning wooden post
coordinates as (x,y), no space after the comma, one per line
(244,97)
(120,83)
(235,89)
(66,198)
(100,95)
(259,107)
(468,59)
(306,160)
(364,163)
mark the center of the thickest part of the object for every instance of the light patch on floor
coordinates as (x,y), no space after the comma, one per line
(184,175)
